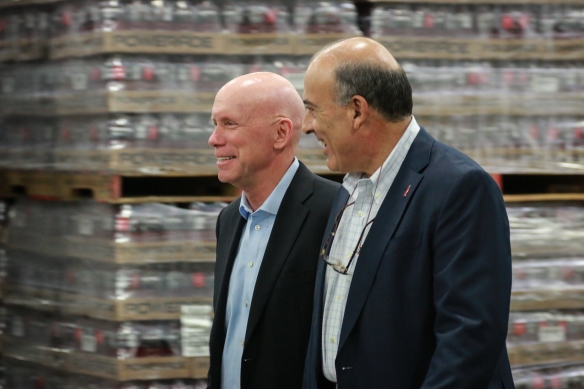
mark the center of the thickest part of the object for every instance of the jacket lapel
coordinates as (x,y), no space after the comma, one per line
(235,223)
(287,226)
(400,193)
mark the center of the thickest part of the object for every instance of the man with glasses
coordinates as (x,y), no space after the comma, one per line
(268,240)
(413,285)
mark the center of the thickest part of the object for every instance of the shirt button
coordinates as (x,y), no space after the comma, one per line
(257,227)
(332,340)
(250,264)
(241,343)
(349,254)
(377,195)
(360,214)
(339,298)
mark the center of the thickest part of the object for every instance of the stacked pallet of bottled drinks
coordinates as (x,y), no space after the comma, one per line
(110,294)
(546,325)
(119,296)
(129,84)
(501,80)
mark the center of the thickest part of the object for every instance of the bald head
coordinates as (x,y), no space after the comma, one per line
(364,67)
(359,49)
(266,94)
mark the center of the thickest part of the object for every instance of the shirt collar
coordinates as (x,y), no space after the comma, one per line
(272,203)
(393,161)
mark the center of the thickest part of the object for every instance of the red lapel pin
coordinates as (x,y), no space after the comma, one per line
(407,190)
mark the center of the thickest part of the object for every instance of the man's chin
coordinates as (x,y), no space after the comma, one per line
(224,178)
(332,166)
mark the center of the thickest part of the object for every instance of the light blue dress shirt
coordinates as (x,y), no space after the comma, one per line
(252,246)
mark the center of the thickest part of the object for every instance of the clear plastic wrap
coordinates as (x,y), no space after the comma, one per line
(509,116)
(109,281)
(334,17)
(260,17)
(120,340)
(551,230)
(484,21)
(545,337)
(24,33)
(73,18)
(545,327)
(141,233)
(569,376)
(548,274)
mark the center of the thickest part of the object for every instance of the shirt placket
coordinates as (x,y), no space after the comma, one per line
(335,286)
(255,233)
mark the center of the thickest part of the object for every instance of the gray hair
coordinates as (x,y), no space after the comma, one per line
(387,91)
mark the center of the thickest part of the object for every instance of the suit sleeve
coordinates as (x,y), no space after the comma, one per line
(472,284)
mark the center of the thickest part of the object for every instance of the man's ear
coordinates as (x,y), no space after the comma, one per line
(360,109)
(284,133)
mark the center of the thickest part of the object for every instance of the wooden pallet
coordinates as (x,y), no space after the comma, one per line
(50,300)
(415,47)
(115,188)
(546,353)
(148,368)
(163,101)
(185,42)
(25,3)
(541,300)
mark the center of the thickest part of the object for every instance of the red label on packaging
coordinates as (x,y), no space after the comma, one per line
(199,280)
(538,383)
(118,73)
(95,73)
(271,16)
(148,73)
(99,336)
(428,21)
(519,329)
(122,223)
(135,281)
(507,22)
(195,73)
(153,133)
(66,18)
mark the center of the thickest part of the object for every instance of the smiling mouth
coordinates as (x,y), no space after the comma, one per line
(219,159)
(322,143)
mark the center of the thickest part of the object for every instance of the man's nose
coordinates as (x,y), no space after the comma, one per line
(215,138)
(307,125)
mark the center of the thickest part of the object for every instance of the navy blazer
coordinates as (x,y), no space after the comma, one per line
(428,305)
(278,327)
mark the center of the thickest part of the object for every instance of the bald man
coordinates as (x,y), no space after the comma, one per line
(414,278)
(267,240)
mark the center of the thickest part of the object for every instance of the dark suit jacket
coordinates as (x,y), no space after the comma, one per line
(428,305)
(279,322)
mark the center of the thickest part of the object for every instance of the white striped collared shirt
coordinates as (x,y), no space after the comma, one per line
(367,201)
